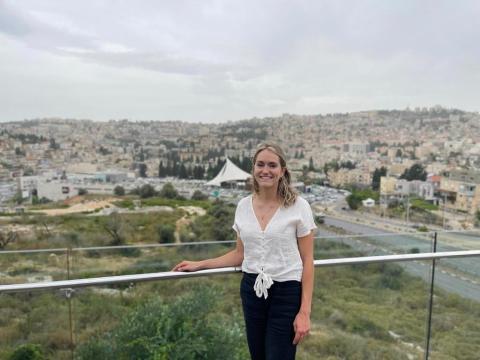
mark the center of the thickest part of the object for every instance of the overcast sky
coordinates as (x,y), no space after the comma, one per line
(214,61)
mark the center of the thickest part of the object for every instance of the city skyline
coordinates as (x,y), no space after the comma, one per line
(214,62)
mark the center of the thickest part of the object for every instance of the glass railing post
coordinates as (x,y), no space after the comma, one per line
(68,293)
(430,303)
(69,252)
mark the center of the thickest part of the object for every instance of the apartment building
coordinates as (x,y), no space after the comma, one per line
(461,191)
(393,188)
(344,177)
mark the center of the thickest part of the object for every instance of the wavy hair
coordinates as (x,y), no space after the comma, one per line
(284,190)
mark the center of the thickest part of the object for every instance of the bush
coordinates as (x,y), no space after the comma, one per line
(166,234)
(82,191)
(354,201)
(168,191)
(119,190)
(147,191)
(189,328)
(27,352)
(198,195)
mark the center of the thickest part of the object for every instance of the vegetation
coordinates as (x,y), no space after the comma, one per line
(119,190)
(7,238)
(28,352)
(169,192)
(216,224)
(189,327)
(356,197)
(360,312)
(421,204)
(166,233)
(356,311)
(377,174)
(199,195)
(415,172)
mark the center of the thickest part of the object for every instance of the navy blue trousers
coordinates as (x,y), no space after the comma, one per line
(269,322)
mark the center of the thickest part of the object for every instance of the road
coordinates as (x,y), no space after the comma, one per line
(461,276)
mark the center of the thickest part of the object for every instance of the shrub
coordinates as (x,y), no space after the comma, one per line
(27,352)
(147,191)
(168,191)
(198,195)
(119,190)
(166,234)
(189,328)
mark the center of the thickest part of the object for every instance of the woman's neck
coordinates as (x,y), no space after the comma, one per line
(267,195)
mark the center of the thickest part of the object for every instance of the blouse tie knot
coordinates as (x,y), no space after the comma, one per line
(262,284)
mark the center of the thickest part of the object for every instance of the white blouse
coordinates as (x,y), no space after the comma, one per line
(273,253)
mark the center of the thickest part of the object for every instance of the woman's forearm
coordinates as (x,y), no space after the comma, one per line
(307,287)
(232,258)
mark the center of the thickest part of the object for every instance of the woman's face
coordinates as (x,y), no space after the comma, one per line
(267,170)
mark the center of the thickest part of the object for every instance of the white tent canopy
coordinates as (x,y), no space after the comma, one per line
(229,172)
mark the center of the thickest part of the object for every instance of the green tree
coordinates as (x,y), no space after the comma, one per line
(354,201)
(27,352)
(53,144)
(114,228)
(119,190)
(198,195)
(415,172)
(166,233)
(7,238)
(377,174)
(310,164)
(168,191)
(82,191)
(142,170)
(147,191)
(162,171)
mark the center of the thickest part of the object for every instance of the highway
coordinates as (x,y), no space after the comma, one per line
(461,276)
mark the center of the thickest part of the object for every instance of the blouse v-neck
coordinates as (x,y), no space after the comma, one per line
(256,218)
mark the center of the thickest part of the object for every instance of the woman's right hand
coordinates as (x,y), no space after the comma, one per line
(186,265)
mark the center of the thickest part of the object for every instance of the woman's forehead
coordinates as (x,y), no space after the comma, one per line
(267,155)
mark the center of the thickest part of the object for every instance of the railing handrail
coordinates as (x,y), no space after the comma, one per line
(213,242)
(109,280)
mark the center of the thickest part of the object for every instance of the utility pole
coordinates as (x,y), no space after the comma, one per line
(408,208)
(444,206)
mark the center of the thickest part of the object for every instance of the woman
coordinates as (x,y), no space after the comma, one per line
(275,248)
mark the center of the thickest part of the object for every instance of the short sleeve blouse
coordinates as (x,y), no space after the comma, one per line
(274,251)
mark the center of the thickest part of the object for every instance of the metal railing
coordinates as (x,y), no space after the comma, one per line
(111,280)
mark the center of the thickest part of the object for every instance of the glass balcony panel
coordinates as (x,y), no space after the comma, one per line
(25,266)
(35,322)
(98,262)
(372,245)
(458,241)
(456,311)
(194,318)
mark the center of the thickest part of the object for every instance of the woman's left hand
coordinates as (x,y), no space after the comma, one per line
(301,325)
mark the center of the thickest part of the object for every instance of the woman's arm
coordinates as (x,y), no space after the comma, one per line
(232,258)
(302,320)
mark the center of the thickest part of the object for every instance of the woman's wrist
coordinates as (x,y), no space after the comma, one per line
(305,312)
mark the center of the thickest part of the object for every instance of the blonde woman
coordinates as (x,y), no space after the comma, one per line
(274,229)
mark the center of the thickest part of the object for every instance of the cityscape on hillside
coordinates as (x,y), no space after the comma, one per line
(430,154)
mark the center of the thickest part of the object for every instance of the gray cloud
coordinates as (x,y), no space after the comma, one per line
(238,59)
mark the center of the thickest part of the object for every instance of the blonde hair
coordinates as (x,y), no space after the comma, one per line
(284,190)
